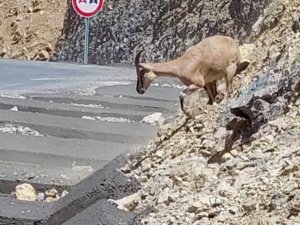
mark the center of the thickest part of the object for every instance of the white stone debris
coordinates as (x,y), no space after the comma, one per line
(155,118)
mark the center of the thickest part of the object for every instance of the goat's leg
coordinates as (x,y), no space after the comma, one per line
(214,89)
(230,73)
(211,91)
(187,91)
(190,89)
(196,84)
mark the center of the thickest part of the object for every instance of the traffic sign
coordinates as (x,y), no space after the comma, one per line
(87,8)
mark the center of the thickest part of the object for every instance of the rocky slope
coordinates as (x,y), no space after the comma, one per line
(236,163)
(165,28)
(29,29)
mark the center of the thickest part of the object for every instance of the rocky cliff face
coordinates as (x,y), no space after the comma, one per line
(164,28)
(234,163)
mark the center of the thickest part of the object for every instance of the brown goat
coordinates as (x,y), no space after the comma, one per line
(200,66)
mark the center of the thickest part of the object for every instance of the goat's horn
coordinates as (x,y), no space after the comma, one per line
(136,55)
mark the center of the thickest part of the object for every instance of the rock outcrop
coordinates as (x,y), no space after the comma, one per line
(165,28)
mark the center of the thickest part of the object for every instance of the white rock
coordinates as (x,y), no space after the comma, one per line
(41,197)
(88,118)
(201,215)
(128,203)
(51,193)
(113,119)
(26,192)
(155,118)
(15,109)
(83,168)
(220,133)
(64,193)
(164,197)
(50,199)
(13,96)
(226,156)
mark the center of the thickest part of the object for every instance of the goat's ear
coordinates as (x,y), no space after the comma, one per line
(140,69)
(145,66)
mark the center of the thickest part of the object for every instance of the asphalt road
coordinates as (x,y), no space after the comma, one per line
(60,122)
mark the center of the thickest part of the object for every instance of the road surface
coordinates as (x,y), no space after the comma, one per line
(60,122)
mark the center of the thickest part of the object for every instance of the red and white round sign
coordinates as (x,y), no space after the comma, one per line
(87,8)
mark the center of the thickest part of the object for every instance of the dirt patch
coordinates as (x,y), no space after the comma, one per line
(29,29)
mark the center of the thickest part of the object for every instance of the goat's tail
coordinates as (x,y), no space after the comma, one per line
(242,65)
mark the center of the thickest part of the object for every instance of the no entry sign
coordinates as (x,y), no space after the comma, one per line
(87,8)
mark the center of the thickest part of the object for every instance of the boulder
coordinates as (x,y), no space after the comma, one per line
(26,192)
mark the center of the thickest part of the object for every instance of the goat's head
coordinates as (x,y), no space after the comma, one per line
(145,75)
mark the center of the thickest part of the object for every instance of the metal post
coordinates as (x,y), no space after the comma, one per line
(86,40)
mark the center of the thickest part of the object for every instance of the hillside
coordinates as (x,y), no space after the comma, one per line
(236,163)
(29,29)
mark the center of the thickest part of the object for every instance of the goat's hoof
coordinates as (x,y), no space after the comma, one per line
(181,105)
(181,96)
(181,99)
(210,103)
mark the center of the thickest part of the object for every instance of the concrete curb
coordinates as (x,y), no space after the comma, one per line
(85,202)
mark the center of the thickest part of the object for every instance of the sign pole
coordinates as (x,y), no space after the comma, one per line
(87,9)
(86,40)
